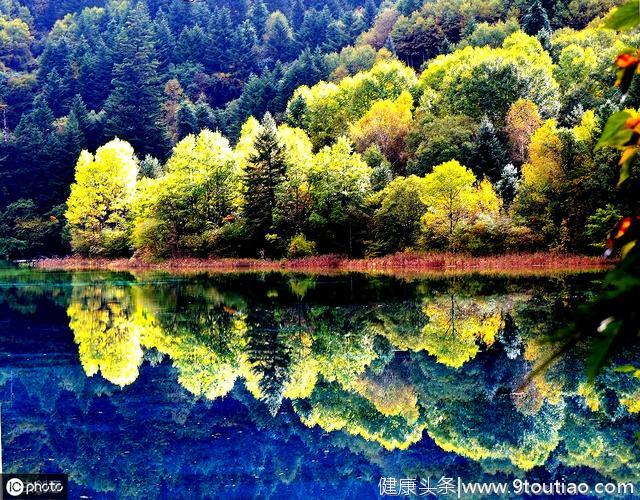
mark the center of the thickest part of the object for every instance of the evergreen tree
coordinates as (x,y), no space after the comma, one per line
(134,108)
(40,170)
(269,356)
(165,43)
(507,186)
(535,18)
(278,38)
(72,139)
(95,75)
(370,12)
(296,112)
(56,91)
(187,122)
(243,49)
(81,113)
(192,44)
(205,117)
(491,155)
(265,172)
(313,32)
(258,15)
(297,14)
(337,37)
(219,31)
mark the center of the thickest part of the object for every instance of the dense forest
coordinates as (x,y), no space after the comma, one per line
(168,128)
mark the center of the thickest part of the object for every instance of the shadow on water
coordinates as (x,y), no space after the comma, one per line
(152,385)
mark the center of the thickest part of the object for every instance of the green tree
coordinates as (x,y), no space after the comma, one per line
(397,218)
(265,172)
(340,181)
(278,38)
(134,108)
(188,210)
(491,155)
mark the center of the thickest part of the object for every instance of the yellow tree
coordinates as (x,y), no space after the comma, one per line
(523,119)
(109,341)
(453,199)
(186,208)
(386,124)
(99,206)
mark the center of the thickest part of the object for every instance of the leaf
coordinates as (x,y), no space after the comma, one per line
(625,17)
(625,369)
(624,77)
(615,134)
(601,350)
(625,163)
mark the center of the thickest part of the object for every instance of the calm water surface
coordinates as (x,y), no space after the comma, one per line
(271,385)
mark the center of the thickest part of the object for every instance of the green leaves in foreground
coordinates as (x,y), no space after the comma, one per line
(625,17)
(622,131)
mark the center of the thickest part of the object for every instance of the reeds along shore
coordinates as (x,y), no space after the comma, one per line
(402,262)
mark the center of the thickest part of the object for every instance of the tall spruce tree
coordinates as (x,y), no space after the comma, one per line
(265,172)
(491,155)
(187,122)
(535,18)
(134,108)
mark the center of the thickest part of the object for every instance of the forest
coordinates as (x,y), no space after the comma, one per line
(279,128)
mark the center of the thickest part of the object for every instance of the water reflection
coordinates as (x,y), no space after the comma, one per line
(379,365)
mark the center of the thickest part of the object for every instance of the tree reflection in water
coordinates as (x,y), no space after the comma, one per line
(381,364)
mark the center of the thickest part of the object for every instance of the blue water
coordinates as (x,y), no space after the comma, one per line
(274,386)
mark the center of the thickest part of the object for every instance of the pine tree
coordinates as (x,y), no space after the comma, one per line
(270,358)
(337,37)
(297,14)
(41,172)
(491,155)
(72,139)
(355,23)
(370,12)
(79,109)
(165,42)
(219,31)
(278,38)
(56,91)
(507,186)
(205,117)
(187,122)
(264,174)
(297,110)
(243,49)
(134,108)
(535,19)
(258,15)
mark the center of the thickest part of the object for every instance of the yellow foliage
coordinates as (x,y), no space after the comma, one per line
(584,131)
(453,199)
(386,124)
(390,395)
(545,157)
(98,208)
(108,338)
(331,108)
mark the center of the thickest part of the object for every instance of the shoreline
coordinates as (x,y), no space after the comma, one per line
(404,263)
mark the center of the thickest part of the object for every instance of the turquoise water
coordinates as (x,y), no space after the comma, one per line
(272,385)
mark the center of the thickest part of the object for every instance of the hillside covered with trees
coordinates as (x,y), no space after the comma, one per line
(166,128)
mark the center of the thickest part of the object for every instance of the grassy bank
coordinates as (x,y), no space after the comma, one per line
(403,263)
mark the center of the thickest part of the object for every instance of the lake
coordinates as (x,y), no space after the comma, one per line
(151,385)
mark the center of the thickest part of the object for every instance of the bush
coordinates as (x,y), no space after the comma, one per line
(300,246)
